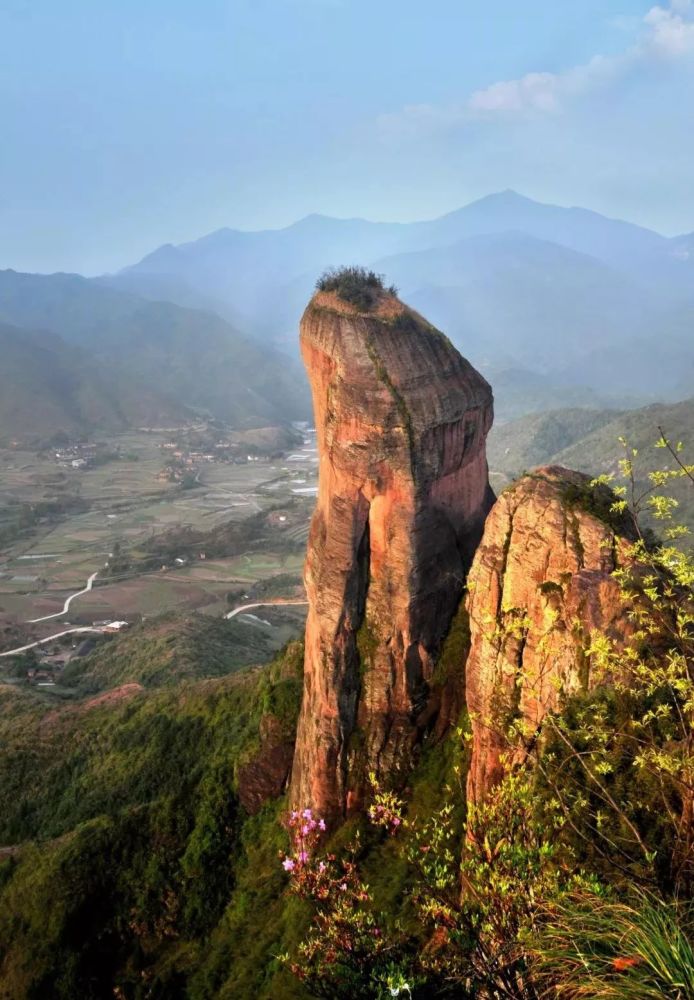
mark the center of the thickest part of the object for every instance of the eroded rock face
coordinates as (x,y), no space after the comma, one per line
(401,422)
(264,776)
(539,586)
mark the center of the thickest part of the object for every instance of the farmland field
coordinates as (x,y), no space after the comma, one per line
(125,505)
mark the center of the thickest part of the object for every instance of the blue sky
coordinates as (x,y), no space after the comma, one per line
(125,124)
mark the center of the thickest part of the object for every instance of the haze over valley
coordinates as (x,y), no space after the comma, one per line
(557,306)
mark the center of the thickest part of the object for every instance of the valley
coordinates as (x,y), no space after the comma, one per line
(127,506)
(135,505)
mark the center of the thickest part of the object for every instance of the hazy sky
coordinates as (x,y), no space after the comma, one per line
(125,124)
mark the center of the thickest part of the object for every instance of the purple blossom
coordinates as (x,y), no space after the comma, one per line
(288,865)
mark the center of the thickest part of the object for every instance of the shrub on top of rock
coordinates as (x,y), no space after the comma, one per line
(358,286)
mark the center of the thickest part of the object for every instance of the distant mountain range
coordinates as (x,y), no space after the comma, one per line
(79,355)
(561,292)
(557,306)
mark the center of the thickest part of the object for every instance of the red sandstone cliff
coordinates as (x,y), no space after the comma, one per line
(401,420)
(540,584)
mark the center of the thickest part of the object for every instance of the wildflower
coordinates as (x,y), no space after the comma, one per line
(343,887)
(307,814)
(288,865)
(321,824)
(303,857)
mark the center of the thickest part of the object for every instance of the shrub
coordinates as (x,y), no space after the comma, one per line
(358,286)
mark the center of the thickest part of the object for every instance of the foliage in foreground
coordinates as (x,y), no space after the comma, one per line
(470,916)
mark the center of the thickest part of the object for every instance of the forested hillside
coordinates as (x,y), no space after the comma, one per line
(589,440)
(154,360)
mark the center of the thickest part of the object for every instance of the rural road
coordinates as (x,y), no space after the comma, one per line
(49,638)
(68,602)
(265,604)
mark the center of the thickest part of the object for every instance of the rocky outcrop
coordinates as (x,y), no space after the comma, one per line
(539,586)
(401,422)
(264,775)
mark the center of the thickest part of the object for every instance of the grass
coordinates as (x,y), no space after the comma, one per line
(357,286)
(595,948)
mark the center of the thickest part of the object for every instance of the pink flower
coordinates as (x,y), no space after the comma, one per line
(321,825)
(321,867)
(396,821)
(303,857)
(343,887)
(307,814)
(288,865)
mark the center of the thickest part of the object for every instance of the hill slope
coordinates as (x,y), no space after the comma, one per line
(188,355)
(588,441)
(168,650)
(125,853)
(48,387)
(518,299)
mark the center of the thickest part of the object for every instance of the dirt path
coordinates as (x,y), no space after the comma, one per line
(50,638)
(280,602)
(68,602)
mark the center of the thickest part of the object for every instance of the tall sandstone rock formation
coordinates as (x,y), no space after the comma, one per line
(539,586)
(401,421)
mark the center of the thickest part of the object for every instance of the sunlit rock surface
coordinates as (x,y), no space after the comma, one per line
(401,423)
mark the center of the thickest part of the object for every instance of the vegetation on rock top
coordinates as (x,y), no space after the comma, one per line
(357,286)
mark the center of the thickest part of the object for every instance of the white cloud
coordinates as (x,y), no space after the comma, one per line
(671,30)
(664,33)
(545,92)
